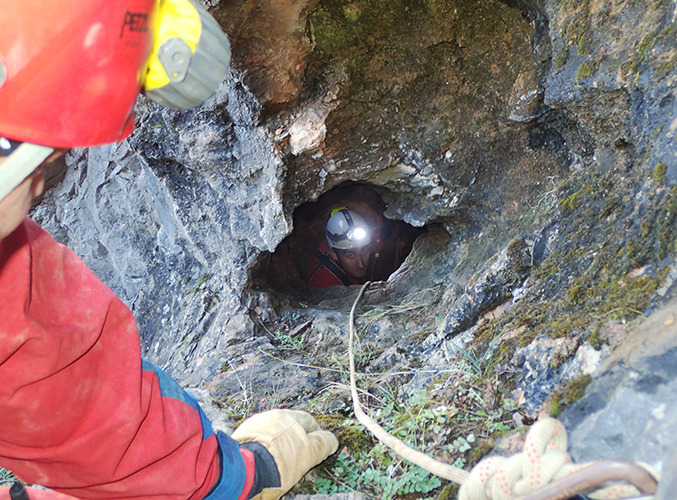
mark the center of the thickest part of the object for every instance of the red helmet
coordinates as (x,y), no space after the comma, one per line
(70,71)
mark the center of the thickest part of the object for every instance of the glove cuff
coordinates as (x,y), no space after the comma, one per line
(266,473)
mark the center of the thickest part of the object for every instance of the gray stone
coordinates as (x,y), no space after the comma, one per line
(483,122)
(628,410)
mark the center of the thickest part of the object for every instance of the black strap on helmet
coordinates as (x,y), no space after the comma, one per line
(351,224)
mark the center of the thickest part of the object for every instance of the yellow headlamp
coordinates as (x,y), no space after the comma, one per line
(190,58)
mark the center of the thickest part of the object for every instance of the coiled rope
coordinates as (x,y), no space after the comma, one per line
(542,471)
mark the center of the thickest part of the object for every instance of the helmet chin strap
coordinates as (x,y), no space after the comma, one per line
(19,165)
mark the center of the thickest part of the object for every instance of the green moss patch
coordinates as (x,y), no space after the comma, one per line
(586,70)
(571,392)
(608,264)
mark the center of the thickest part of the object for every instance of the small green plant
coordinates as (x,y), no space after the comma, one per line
(446,431)
(290,333)
(199,287)
(462,444)
(288,343)
(290,316)
(377,471)
(393,481)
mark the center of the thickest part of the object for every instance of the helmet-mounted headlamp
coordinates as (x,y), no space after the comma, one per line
(357,234)
(346,229)
(190,57)
(70,77)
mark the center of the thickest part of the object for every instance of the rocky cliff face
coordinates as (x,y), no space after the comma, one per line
(535,141)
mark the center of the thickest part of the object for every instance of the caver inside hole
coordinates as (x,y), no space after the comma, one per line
(294,264)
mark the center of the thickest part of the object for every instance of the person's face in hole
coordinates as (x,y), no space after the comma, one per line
(354,261)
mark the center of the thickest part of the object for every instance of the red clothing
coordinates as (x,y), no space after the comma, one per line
(78,412)
(324,278)
(325,271)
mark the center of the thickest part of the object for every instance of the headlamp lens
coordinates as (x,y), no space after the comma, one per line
(7,146)
(357,234)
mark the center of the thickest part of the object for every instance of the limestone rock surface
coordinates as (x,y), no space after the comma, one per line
(534,141)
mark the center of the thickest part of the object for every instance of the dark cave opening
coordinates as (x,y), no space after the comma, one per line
(291,264)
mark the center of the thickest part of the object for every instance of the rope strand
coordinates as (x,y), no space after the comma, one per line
(429,464)
(542,471)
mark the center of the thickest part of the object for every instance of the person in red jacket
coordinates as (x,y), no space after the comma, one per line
(82,412)
(344,256)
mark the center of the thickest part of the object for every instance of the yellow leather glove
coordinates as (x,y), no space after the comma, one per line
(295,441)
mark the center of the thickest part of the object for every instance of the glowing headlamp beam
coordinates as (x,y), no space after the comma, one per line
(357,234)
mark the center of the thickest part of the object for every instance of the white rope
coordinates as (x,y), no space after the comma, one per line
(431,465)
(543,460)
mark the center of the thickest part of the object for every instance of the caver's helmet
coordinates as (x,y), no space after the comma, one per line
(346,229)
(70,71)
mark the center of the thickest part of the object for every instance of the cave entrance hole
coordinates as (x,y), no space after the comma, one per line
(288,267)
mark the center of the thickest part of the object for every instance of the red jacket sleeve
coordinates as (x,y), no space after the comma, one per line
(78,413)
